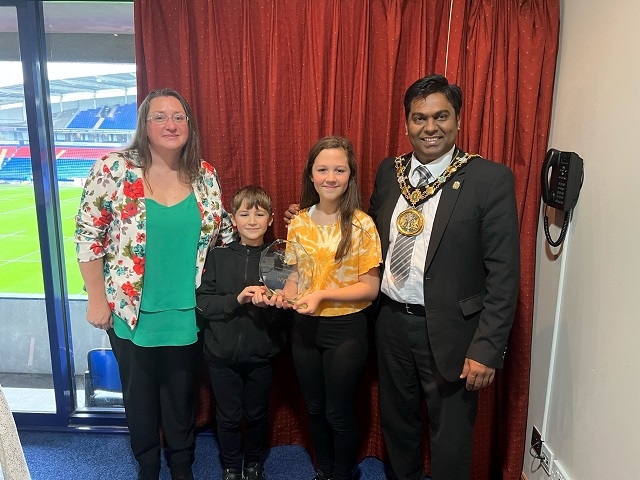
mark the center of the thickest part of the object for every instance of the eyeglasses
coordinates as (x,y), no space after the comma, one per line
(162,118)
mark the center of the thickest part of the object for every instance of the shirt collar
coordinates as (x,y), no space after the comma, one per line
(436,167)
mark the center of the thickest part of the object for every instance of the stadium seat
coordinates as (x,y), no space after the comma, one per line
(123,118)
(16,169)
(102,387)
(85,118)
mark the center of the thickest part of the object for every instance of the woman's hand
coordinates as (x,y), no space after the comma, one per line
(98,310)
(99,314)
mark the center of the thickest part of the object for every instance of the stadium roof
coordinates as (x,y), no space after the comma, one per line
(121,81)
(79,21)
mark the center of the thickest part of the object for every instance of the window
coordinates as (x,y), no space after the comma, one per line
(92,102)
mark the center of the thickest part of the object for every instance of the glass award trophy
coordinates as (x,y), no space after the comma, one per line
(286,269)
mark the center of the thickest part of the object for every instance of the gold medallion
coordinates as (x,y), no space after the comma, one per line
(410,222)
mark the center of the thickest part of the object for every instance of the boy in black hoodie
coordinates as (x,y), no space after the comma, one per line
(240,337)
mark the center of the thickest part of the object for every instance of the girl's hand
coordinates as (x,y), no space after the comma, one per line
(308,304)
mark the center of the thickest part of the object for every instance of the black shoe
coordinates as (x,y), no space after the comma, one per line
(253,471)
(231,474)
(321,476)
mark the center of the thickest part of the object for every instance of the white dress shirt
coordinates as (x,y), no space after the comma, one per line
(413,289)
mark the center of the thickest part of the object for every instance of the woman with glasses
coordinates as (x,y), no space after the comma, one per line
(147,217)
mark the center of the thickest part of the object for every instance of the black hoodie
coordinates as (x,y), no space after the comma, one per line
(235,333)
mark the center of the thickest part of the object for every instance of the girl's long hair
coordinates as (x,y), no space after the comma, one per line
(350,200)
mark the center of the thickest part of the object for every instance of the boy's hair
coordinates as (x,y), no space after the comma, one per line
(254,196)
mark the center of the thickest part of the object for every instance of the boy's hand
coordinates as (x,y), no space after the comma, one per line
(246,295)
(260,298)
(277,300)
(293,210)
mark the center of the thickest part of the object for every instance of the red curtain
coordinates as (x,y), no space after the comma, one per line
(267,79)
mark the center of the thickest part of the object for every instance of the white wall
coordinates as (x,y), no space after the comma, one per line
(593,414)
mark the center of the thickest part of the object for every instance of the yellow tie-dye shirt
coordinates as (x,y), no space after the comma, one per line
(321,243)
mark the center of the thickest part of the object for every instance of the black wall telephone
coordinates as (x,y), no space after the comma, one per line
(561,188)
(562,177)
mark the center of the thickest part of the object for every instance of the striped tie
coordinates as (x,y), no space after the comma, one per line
(403,247)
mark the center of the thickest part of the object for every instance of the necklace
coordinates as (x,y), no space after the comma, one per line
(410,222)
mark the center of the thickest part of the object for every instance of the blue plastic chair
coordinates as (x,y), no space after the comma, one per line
(102,380)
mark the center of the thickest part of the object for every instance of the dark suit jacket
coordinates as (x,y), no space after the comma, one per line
(472,270)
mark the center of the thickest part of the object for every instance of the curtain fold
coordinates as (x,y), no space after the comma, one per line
(267,79)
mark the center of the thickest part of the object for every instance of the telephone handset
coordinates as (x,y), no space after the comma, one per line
(561,187)
(562,177)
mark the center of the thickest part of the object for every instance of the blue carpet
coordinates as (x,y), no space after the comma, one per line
(93,456)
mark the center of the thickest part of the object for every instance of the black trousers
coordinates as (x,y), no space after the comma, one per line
(329,354)
(158,389)
(241,391)
(407,371)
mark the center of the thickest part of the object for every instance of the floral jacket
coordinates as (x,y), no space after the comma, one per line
(111,224)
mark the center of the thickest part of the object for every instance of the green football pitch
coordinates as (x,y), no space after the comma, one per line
(20,260)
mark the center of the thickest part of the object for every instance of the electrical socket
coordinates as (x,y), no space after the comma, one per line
(536,440)
(557,472)
(547,458)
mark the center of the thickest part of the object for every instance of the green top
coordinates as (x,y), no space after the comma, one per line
(167,309)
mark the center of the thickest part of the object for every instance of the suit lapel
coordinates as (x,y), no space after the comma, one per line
(448,199)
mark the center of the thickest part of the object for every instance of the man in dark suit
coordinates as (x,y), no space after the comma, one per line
(448,298)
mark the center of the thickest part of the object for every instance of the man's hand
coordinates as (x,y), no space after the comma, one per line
(478,375)
(293,210)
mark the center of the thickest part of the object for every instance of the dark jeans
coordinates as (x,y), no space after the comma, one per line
(158,389)
(329,354)
(241,391)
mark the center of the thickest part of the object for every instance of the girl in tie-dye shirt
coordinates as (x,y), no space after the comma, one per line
(329,340)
